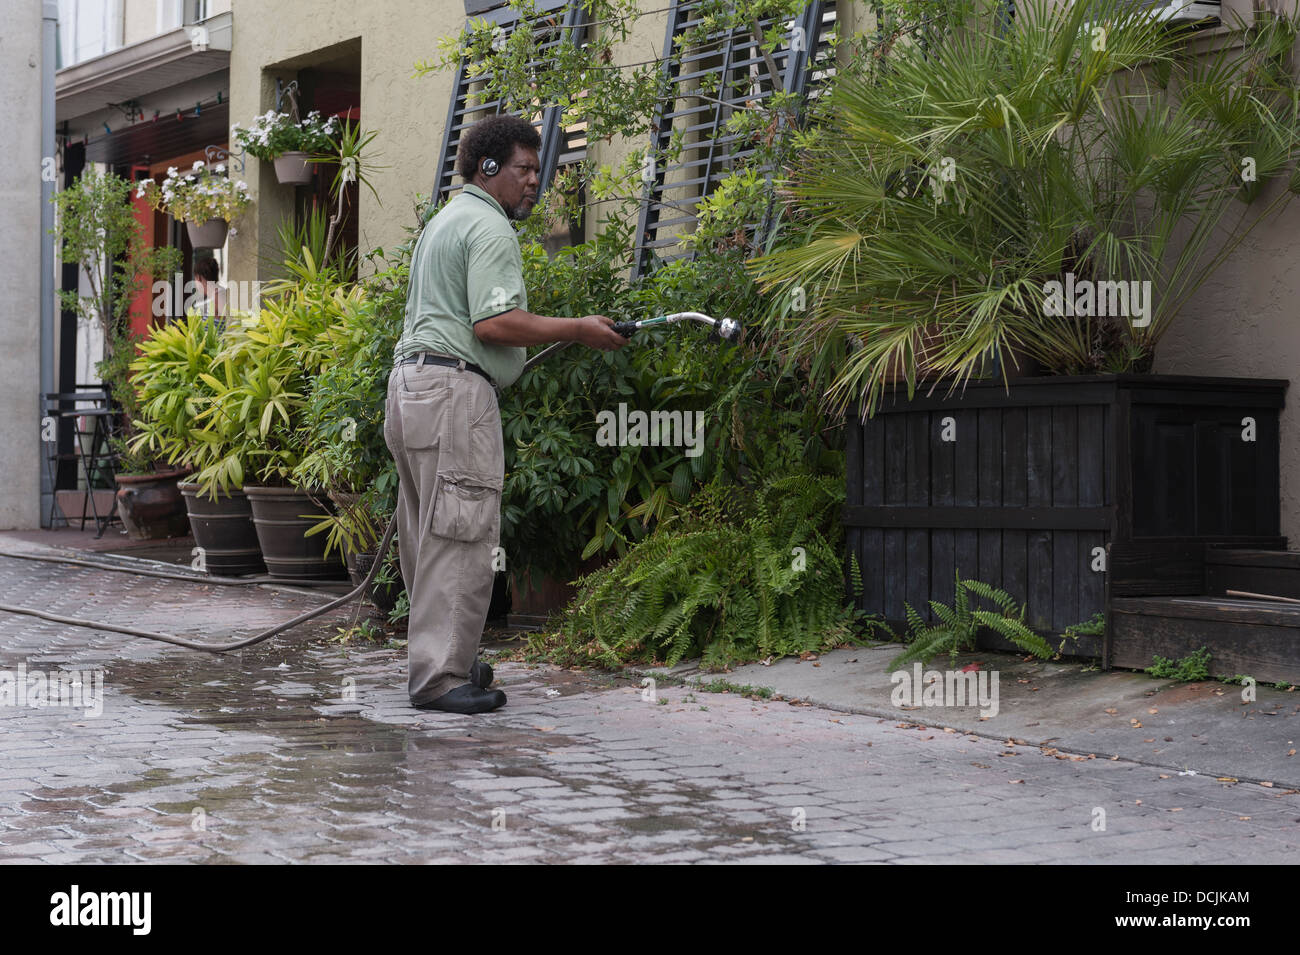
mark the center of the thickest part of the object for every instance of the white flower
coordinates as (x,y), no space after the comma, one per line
(221,167)
(171,171)
(198,164)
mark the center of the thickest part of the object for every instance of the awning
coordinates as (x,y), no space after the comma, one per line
(143,68)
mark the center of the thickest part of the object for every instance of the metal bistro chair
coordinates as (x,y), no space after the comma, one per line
(94,426)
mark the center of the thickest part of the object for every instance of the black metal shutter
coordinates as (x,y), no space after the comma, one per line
(671,197)
(559,146)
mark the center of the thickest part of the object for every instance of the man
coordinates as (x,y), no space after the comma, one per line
(213,306)
(463,339)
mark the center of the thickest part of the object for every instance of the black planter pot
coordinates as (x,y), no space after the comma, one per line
(383,596)
(151,505)
(282,516)
(1060,490)
(223,528)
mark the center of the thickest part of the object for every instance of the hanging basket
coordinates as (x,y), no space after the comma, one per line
(292,169)
(209,235)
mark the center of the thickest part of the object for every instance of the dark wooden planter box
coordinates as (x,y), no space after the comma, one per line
(1027,488)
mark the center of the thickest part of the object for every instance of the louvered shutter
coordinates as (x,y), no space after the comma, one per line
(557,21)
(737,61)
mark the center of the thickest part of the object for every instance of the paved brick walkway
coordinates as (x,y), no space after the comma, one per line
(306,751)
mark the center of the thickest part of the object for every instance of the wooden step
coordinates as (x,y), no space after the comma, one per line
(1257,638)
(1271,572)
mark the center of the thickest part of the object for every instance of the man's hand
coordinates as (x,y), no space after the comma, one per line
(596,331)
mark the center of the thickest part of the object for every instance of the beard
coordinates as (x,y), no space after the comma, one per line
(521,212)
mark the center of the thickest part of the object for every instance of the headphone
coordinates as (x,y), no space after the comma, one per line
(490,166)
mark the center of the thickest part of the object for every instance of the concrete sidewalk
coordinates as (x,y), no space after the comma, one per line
(1189,728)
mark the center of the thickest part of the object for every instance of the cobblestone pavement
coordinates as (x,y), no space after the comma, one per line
(261,756)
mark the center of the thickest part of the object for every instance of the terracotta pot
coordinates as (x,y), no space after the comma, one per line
(292,169)
(223,528)
(151,505)
(282,517)
(209,235)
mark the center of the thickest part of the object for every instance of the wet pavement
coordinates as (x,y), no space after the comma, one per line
(303,750)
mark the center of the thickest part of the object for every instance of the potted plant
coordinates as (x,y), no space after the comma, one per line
(282,139)
(98,231)
(204,198)
(148,497)
(175,386)
(261,381)
(1058,184)
(346,455)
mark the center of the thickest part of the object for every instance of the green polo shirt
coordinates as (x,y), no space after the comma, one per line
(465,268)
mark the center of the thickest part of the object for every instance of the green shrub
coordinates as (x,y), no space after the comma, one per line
(739,575)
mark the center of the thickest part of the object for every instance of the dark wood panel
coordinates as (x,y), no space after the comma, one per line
(1092,457)
(1092,583)
(973,517)
(1275,581)
(1038,456)
(1014,458)
(871,549)
(872,433)
(1015,567)
(943,490)
(872,561)
(1253,557)
(1146,569)
(895,460)
(920,435)
(966,493)
(1038,547)
(1269,653)
(989,457)
(895,573)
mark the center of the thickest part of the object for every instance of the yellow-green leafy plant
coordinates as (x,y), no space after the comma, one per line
(262,378)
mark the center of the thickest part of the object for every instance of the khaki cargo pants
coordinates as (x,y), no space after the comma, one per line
(443,427)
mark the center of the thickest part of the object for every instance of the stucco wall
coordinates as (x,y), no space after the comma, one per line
(1245,322)
(20,272)
(408,113)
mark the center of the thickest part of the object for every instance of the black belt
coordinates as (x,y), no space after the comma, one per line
(425,358)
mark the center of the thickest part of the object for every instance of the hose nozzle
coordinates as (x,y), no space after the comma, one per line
(728,329)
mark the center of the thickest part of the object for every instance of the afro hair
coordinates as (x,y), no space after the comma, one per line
(495,137)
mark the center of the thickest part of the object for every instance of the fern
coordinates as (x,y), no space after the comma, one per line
(959,625)
(718,580)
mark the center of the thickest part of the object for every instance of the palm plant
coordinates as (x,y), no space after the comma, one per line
(979,160)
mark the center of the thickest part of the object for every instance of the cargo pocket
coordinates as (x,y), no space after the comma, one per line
(422,416)
(467,506)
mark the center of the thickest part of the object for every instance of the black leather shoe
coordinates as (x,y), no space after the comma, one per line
(466,699)
(480,674)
